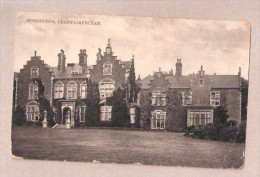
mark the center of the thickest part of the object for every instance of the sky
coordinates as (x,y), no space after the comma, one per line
(220,46)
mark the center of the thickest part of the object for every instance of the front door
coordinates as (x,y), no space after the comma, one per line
(66,114)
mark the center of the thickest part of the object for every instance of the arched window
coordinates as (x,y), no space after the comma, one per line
(107,68)
(83,90)
(72,90)
(33,91)
(106,88)
(58,90)
(34,72)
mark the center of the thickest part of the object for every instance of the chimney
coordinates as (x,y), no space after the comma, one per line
(178,68)
(62,61)
(239,72)
(83,57)
(201,72)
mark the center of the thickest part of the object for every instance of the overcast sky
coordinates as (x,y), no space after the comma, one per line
(220,46)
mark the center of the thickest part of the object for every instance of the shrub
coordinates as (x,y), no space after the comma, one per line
(241,135)
(18,116)
(229,132)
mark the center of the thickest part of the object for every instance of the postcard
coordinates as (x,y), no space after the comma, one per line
(130,90)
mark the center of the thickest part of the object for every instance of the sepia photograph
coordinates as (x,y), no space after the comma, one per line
(130,90)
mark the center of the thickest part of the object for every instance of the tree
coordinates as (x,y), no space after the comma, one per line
(134,88)
(145,99)
(220,115)
(176,113)
(44,104)
(92,104)
(120,113)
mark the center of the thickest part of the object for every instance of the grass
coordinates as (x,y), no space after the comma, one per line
(125,147)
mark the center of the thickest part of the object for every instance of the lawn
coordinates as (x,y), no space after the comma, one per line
(124,146)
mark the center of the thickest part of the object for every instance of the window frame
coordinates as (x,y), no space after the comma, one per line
(60,92)
(158,120)
(82,113)
(70,90)
(81,90)
(35,74)
(159,98)
(105,113)
(187,98)
(213,99)
(199,117)
(106,88)
(32,111)
(33,94)
(106,71)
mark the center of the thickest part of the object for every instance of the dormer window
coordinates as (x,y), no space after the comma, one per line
(34,72)
(107,68)
(77,69)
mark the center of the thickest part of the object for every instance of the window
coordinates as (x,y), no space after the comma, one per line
(186,98)
(105,113)
(107,68)
(199,117)
(72,90)
(83,90)
(32,113)
(58,90)
(34,72)
(82,113)
(106,88)
(158,98)
(215,98)
(158,119)
(33,91)
(76,69)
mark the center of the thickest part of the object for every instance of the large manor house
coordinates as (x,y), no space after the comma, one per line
(198,94)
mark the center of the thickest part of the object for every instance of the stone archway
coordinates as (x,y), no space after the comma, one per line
(65,114)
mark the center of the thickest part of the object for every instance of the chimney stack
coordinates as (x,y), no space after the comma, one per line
(178,68)
(83,57)
(62,61)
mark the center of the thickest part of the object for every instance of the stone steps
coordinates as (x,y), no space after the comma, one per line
(59,126)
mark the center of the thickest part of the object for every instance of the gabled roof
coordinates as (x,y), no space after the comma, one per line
(179,82)
(144,83)
(225,81)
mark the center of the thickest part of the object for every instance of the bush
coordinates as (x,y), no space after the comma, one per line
(18,116)
(228,132)
(241,135)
